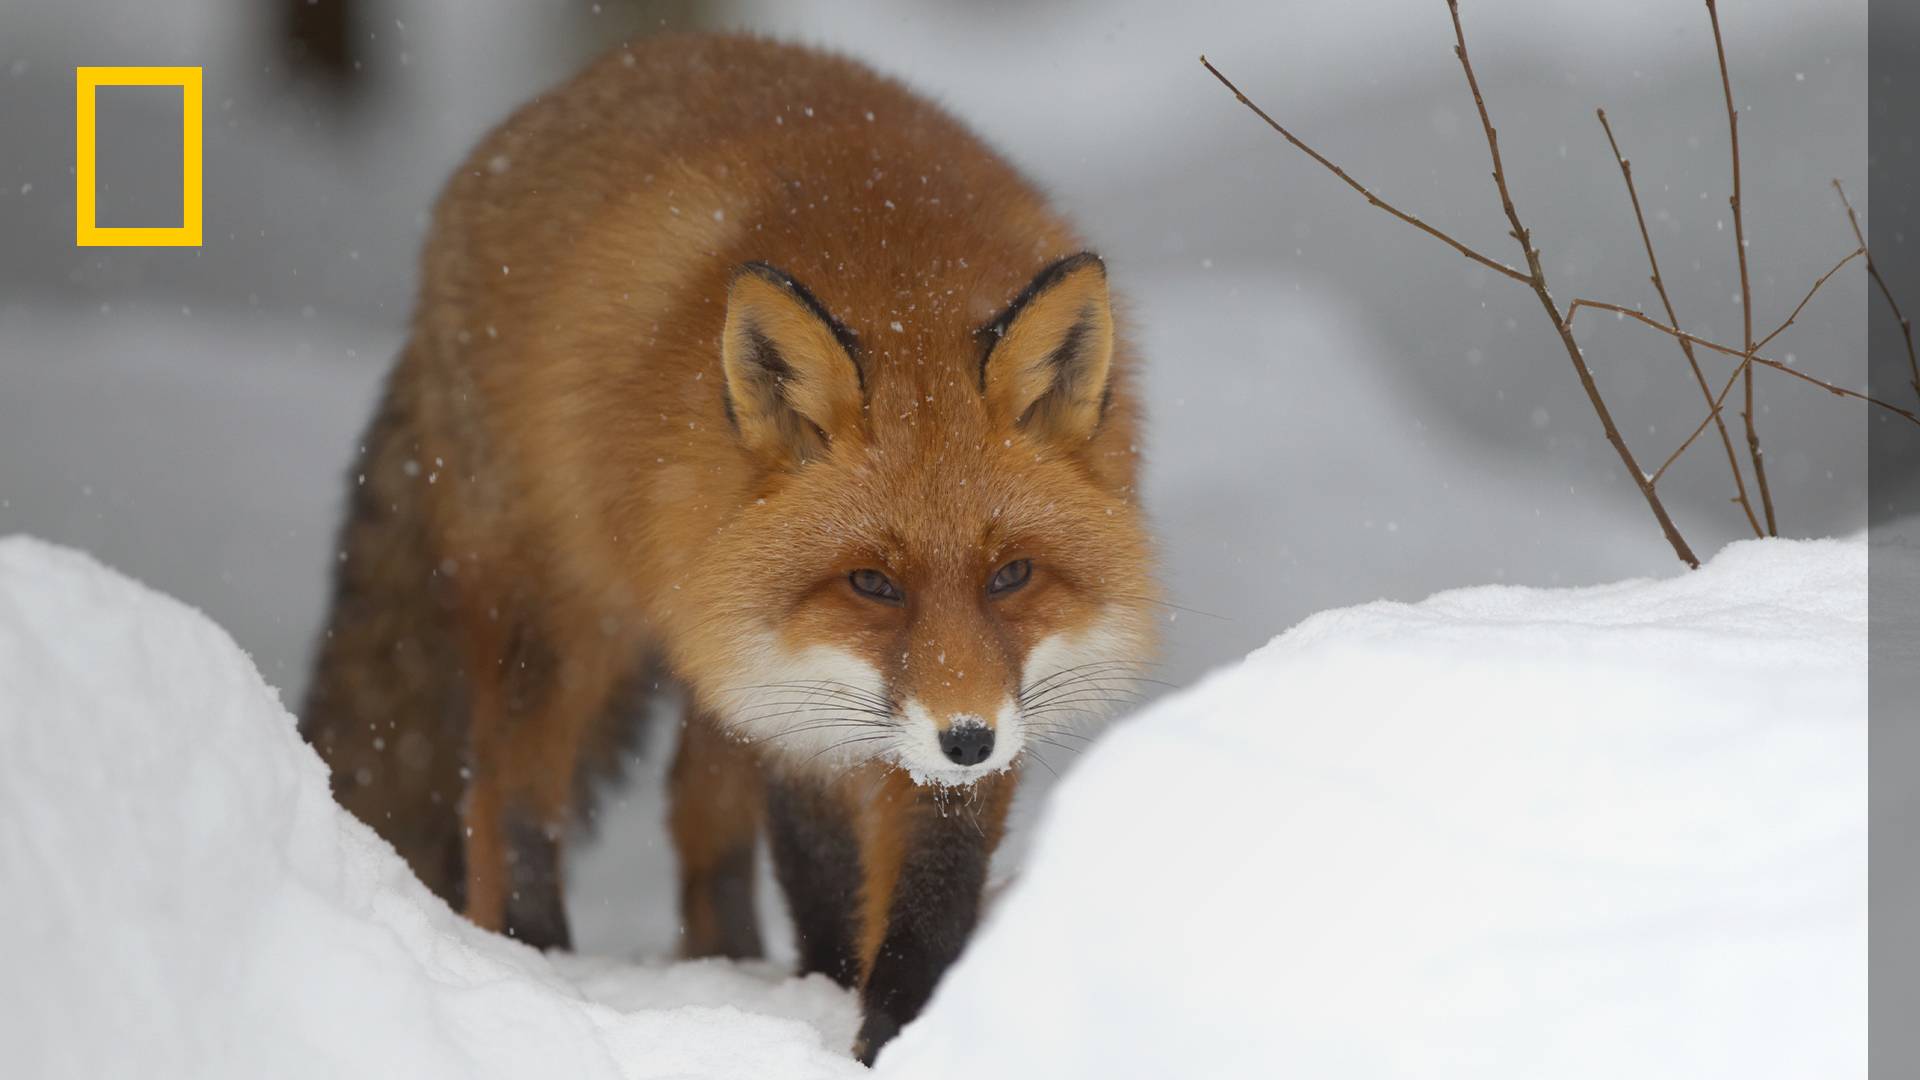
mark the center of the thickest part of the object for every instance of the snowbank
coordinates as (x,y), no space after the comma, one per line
(1613,832)
(183,898)
(1606,832)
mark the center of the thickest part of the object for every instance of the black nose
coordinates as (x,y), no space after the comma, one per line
(969,745)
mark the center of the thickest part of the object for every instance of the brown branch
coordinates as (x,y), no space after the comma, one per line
(1491,264)
(1641,316)
(1686,342)
(1797,308)
(1713,414)
(1746,290)
(1873,271)
(1686,347)
(1537,278)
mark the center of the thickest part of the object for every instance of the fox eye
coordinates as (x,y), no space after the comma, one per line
(1010,577)
(877,586)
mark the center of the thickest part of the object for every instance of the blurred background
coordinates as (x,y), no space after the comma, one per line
(1342,409)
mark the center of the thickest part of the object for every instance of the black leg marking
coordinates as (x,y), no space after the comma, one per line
(454,856)
(817,860)
(935,905)
(536,911)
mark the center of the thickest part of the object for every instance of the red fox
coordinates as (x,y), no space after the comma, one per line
(738,364)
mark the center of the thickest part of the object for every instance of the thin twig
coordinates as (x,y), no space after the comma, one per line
(1686,347)
(1538,280)
(1873,271)
(1746,290)
(1686,340)
(1641,316)
(1491,264)
(1797,308)
(1713,413)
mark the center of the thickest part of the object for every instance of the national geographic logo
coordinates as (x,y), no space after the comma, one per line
(87,232)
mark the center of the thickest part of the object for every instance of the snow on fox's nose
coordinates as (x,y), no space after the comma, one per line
(958,748)
(967,741)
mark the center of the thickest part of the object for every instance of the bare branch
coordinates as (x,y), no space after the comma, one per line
(1537,278)
(1748,354)
(1873,271)
(1686,347)
(1713,415)
(1797,308)
(1491,264)
(1746,289)
(1643,317)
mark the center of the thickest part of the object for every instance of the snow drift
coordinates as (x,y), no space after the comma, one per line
(1617,831)
(1604,832)
(184,899)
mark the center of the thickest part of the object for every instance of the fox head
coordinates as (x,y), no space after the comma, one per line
(941,561)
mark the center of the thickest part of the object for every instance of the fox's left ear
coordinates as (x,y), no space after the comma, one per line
(1049,356)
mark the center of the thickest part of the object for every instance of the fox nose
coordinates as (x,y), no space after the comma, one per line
(970,744)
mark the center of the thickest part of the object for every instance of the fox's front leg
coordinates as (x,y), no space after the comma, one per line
(927,853)
(816,856)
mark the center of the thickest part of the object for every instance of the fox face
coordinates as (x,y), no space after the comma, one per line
(943,561)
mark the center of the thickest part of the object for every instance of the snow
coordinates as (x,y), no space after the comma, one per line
(1603,832)
(185,898)
(1611,831)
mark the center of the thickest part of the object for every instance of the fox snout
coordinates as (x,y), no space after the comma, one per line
(955,749)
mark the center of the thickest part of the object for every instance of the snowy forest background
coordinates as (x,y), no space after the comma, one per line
(1341,410)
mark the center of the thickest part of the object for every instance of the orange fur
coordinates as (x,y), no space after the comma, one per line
(701,334)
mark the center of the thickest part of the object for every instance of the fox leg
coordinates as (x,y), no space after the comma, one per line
(714,816)
(531,714)
(926,867)
(816,856)
(512,855)
(483,839)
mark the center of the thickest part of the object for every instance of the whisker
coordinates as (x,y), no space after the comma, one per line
(1074,714)
(841,744)
(1047,741)
(844,691)
(814,724)
(803,725)
(1083,697)
(1057,730)
(1100,667)
(1035,755)
(762,707)
(1170,604)
(1094,681)
(1115,674)
(1105,684)
(1109,697)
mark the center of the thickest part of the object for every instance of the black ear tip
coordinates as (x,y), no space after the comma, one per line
(1082,259)
(1063,269)
(766,272)
(791,285)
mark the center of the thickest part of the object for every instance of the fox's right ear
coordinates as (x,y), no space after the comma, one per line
(1050,354)
(793,383)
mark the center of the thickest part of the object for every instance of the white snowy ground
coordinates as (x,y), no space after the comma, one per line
(1614,831)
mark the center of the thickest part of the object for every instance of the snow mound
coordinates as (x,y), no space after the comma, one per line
(183,897)
(1604,832)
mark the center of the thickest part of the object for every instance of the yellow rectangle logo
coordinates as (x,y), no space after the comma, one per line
(87,80)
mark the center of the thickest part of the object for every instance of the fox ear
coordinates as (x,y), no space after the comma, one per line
(1049,355)
(793,385)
